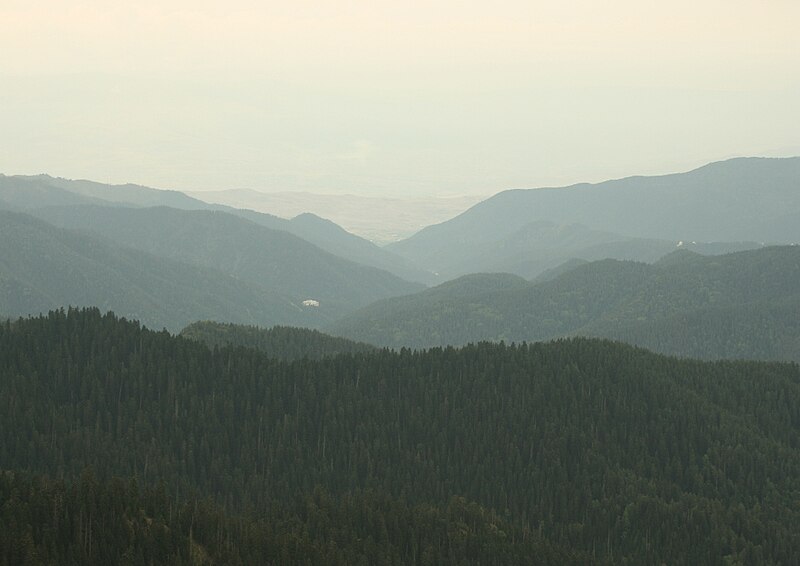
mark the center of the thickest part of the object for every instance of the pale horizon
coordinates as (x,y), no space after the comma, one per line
(344,193)
(385,100)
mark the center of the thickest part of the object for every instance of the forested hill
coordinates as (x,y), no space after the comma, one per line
(282,342)
(740,305)
(596,447)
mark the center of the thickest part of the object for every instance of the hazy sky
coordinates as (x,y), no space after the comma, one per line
(376,97)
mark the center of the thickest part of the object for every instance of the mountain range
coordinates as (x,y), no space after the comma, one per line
(169,266)
(44,267)
(32,193)
(137,245)
(746,200)
(739,305)
(276,260)
(492,419)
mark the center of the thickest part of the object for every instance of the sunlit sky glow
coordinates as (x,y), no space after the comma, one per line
(400,98)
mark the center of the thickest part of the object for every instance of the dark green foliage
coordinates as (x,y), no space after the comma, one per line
(104,522)
(739,200)
(598,447)
(741,305)
(282,342)
(765,331)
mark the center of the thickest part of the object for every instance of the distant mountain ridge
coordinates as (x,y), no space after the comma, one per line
(43,267)
(127,194)
(21,194)
(742,305)
(334,239)
(170,266)
(740,200)
(30,193)
(272,259)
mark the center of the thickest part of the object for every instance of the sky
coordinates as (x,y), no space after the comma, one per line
(379,98)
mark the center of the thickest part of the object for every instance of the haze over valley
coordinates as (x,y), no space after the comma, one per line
(380,220)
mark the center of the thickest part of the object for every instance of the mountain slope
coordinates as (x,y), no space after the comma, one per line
(540,246)
(43,267)
(273,259)
(29,193)
(601,448)
(637,302)
(128,194)
(336,240)
(748,199)
(766,331)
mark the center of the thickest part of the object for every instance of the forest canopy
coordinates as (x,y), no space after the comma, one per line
(583,448)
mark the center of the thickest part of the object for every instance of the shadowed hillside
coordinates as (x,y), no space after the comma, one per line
(741,305)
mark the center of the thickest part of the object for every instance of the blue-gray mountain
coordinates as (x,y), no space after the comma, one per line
(273,259)
(169,267)
(31,194)
(43,267)
(748,200)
